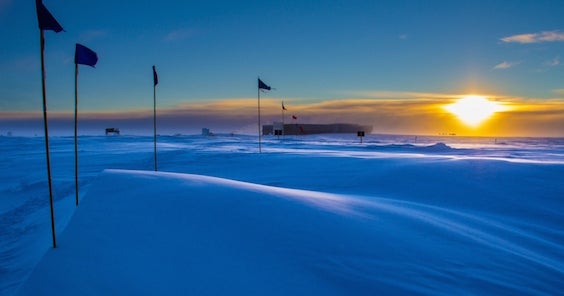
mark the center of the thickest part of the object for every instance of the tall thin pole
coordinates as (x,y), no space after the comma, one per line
(155,121)
(283,113)
(259,132)
(76,131)
(42,42)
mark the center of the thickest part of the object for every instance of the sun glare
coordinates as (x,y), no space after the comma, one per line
(473,110)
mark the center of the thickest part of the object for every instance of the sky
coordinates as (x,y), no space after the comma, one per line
(394,65)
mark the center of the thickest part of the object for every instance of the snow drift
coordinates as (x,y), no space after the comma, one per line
(149,233)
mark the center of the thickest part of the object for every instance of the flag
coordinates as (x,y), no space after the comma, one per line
(85,56)
(46,19)
(262,85)
(283,107)
(155,77)
(294,117)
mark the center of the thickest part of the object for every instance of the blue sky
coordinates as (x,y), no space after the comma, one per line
(312,52)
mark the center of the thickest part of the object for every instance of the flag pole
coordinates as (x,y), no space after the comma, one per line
(283,113)
(42,42)
(76,131)
(259,133)
(155,119)
(84,56)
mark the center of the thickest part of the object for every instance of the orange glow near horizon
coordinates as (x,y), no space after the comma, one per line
(473,110)
(423,115)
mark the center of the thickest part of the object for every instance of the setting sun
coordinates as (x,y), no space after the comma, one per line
(473,110)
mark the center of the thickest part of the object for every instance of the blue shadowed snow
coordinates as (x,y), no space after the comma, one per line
(310,215)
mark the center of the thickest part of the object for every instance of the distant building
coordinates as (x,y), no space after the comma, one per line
(206,132)
(278,128)
(112,131)
(310,129)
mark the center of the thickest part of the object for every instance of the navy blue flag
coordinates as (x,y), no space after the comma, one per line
(155,77)
(46,19)
(262,85)
(85,56)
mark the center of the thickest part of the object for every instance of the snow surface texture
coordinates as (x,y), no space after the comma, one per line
(388,216)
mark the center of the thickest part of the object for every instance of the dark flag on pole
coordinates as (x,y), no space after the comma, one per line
(262,85)
(155,82)
(46,19)
(85,56)
(155,77)
(283,115)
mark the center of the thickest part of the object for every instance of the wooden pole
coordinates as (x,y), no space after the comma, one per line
(76,132)
(42,42)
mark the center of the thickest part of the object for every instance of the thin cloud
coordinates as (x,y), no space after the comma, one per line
(545,36)
(554,62)
(90,35)
(180,34)
(403,36)
(559,91)
(391,94)
(505,65)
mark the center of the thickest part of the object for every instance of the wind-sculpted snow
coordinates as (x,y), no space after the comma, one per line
(441,215)
(155,233)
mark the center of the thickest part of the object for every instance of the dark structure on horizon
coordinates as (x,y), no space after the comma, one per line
(310,129)
(112,130)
